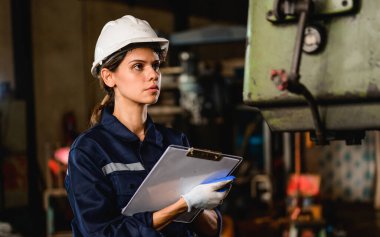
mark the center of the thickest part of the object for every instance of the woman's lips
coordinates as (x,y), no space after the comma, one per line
(153,88)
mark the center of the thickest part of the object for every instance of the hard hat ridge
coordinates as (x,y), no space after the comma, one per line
(121,32)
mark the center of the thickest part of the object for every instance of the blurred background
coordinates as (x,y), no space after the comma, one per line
(234,81)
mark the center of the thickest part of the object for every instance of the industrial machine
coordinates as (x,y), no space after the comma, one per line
(314,65)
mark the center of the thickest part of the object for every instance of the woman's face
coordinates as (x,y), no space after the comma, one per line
(138,79)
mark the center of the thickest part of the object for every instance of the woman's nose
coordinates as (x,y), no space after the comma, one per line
(153,74)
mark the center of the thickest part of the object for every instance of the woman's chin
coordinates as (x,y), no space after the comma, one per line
(151,101)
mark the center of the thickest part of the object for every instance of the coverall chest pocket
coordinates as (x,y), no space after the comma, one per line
(125,184)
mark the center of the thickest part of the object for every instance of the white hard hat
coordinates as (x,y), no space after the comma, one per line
(122,32)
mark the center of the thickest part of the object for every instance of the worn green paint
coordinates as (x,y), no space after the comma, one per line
(336,117)
(348,69)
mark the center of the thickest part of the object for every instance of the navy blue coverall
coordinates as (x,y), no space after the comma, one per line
(107,163)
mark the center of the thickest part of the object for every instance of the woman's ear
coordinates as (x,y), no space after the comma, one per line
(107,77)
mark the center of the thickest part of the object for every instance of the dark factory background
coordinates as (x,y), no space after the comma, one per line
(287,185)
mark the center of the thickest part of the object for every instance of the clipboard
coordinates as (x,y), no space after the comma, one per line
(178,170)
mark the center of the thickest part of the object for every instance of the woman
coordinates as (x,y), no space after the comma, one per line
(109,161)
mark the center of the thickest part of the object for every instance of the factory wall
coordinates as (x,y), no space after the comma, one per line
(6,69)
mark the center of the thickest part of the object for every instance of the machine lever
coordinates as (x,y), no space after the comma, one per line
(290,81)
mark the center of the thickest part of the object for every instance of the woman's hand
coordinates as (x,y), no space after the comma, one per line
(206,196)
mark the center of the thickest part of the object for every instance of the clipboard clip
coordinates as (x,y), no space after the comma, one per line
(204,154)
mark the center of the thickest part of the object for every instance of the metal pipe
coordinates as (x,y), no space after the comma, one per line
(296,61)
(298,88)
(319,129)
(304,9)
(267,148)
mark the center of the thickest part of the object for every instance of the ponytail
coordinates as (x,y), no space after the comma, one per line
(108,101)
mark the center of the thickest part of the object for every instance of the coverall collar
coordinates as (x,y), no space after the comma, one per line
(114,126)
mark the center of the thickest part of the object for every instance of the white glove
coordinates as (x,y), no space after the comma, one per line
(206,196)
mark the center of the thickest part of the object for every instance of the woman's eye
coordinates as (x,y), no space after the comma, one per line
(156,66)
(138,67)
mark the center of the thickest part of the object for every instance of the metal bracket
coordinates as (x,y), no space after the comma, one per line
(321,8)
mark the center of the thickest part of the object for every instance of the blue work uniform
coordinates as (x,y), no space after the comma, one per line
(107,164)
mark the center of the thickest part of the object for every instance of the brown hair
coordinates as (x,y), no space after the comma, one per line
(112,62)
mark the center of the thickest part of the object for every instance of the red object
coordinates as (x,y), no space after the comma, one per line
(62,154)
(54,167)
(280,79)
(305,185)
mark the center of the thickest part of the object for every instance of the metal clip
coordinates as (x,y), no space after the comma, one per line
(204,154)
